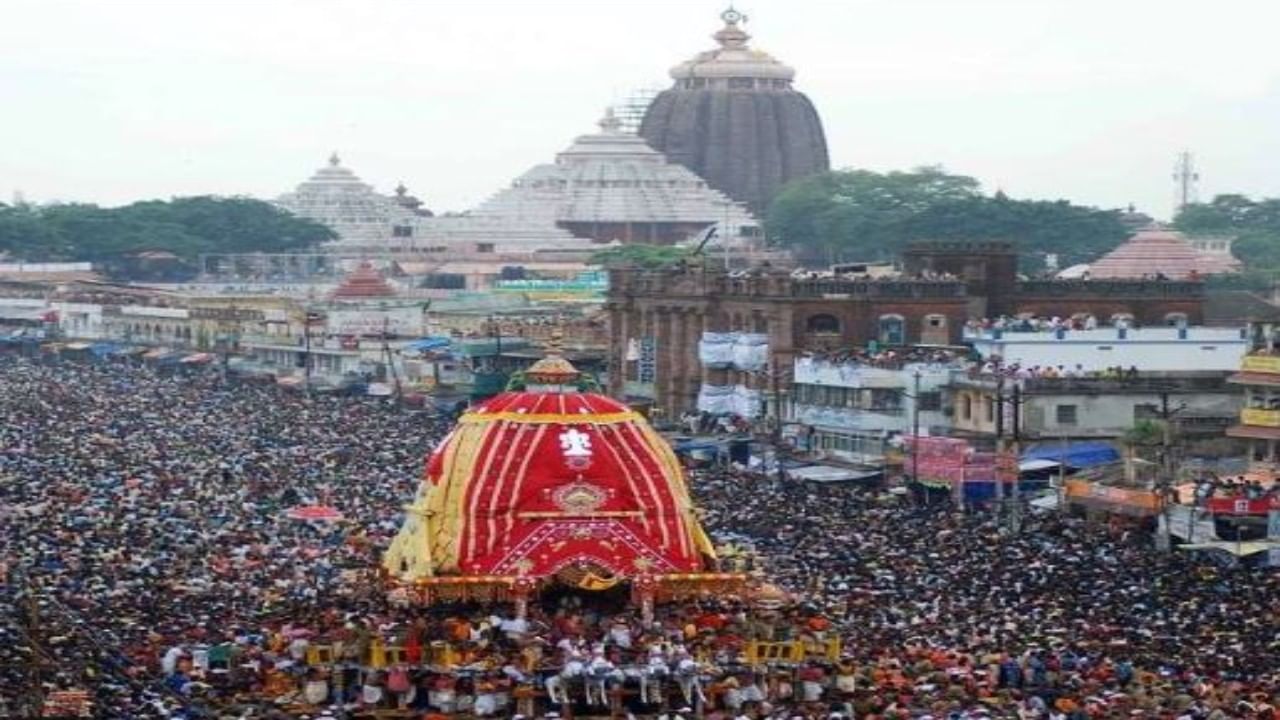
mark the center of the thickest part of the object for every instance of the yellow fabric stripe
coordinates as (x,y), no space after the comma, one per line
(679,483)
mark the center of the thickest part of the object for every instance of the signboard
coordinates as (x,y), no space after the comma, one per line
(1261,363)
(1114,499)
(396,322)
(936,460)
(1006,469)
(1240,506)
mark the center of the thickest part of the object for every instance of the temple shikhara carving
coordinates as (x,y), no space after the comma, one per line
(734,118)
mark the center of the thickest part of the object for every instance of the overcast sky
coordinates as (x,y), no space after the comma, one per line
(1089,100)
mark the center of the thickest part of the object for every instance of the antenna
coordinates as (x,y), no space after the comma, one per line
(1187,178)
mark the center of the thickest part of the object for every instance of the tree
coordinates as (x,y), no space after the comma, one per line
(185,227)
(1255,225)
(646,256)
(863,215)
(1073,233)
(858,214)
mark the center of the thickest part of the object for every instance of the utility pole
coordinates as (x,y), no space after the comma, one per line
(1016,451)
(915,430)
(391,363)
(774,379)
(999,419)
(307,317)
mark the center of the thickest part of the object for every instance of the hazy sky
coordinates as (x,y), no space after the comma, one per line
(111,101)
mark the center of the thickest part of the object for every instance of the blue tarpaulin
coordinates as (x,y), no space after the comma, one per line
(1076,455)
(428,344)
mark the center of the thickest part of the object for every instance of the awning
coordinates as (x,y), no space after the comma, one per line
(1077,455)
(1256,432)
(830,474)
(429,344)
(1038,464)
(1242,549)
(155,353)
(1255,378)
(197,359)
(76,346)
(289,381)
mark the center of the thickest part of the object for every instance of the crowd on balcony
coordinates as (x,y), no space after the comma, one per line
(148,518)
(1034,323)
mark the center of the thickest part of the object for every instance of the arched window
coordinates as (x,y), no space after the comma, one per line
(966,407)
(824,323)
(893,330)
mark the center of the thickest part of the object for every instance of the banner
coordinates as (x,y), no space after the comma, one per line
(1240,506)
(1112,499)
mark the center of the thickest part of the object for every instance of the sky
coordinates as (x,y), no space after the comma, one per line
(1085,100)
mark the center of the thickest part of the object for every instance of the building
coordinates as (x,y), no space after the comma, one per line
(611,186)
(658,318)
(986,407)
(733,118)
(1149,349)
(1157,251)
(334,196)
(848,410)
(1259,377)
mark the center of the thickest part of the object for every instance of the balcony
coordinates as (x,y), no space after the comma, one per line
(1259,417)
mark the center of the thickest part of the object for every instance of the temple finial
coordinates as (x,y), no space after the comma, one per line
(334,159)
(610,123)
(732,37)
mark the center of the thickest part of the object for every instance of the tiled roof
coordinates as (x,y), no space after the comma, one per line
(1158,251)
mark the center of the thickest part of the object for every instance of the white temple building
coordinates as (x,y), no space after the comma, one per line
(336,197)
(611,186)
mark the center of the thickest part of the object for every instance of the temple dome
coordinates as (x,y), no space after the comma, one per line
(336,197)
(551,485)
(733,118)
(1157,250)
(611,185)
(363,283)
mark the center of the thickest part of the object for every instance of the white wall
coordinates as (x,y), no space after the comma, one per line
(1148,349)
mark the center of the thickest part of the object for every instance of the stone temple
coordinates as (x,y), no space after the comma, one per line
(734,118)
(611,186)
(336,197)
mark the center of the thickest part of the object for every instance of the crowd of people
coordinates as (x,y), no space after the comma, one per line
(150,557)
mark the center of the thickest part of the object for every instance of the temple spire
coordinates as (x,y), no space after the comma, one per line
(334,160)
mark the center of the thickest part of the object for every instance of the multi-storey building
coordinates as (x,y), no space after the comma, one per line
(657,318)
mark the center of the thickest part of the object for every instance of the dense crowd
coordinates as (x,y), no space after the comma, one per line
(147,517)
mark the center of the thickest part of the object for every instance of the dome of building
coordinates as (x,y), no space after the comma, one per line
(734,118)
(336,197)
(1156,251)
(550,485)
(611,185)
(363,283)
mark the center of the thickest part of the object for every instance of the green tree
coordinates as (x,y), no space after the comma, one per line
(1255,225)
(858,214)
(1073,233)
(646,256)
(185,227)
(863,215)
